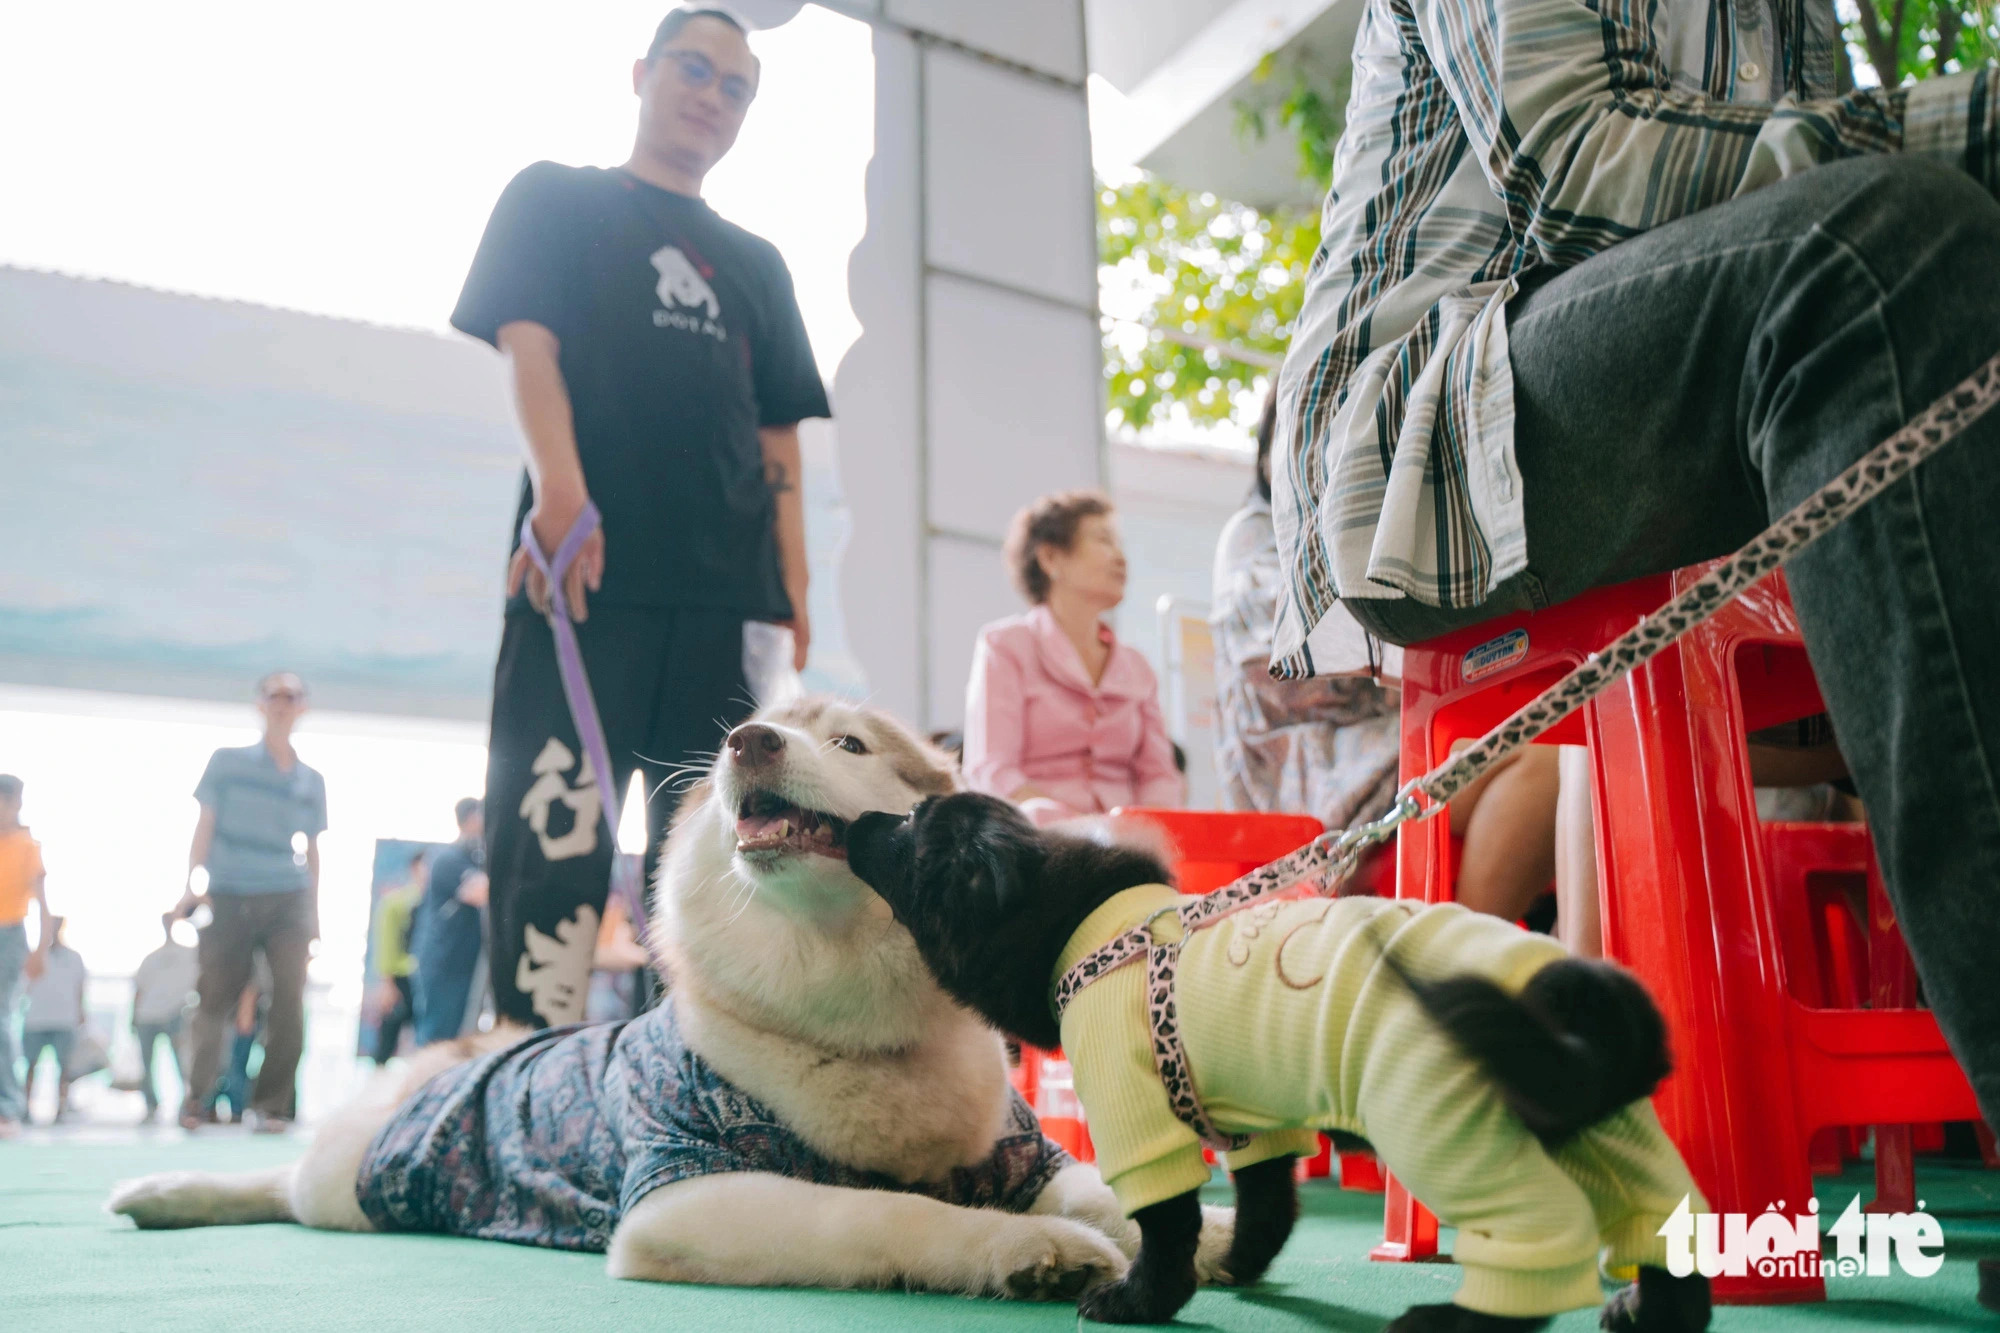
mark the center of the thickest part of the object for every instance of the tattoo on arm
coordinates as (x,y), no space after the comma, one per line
(778,478)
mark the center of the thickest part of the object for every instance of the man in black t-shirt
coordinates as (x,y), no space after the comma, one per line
(660,369)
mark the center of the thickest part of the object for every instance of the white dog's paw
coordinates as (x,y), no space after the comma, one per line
(1051,1259)
(155,1201)
(1218,1232)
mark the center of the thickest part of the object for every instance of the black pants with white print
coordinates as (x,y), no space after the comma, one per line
(669,685)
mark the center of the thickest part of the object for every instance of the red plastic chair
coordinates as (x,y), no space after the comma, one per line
(1686,900)
(1214,847)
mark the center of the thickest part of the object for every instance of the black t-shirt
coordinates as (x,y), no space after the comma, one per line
(680,337)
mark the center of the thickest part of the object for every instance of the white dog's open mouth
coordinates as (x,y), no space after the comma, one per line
(768,824)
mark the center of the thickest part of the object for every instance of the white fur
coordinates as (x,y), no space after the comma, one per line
(793,980)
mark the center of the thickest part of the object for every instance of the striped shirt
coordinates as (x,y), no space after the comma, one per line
(1486,138)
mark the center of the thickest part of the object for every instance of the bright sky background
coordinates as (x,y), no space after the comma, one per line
(110,783)
(340,161)
(343,161)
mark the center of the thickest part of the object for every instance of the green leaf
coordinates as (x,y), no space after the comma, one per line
(1212,286)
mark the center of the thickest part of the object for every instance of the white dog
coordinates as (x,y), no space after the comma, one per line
(793,985)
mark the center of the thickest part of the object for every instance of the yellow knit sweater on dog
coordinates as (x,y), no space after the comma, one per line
(1292,1025)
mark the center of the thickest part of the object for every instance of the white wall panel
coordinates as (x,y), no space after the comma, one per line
(878,399)
(1008,184)
(1042,34)
(1016,396)
(976,382)
(968,588)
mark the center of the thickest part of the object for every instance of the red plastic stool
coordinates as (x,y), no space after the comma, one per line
(1685,897)
(1819,886)
(1820,876)
(1363,1171)
(1458,688)
(1044,1081)
(1214,847)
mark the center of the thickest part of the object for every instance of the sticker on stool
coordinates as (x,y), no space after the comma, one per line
(1494,655)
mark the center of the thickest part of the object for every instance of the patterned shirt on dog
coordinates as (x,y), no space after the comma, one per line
(550,1141)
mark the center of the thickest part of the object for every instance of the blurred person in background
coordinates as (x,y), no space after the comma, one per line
(1327,747)
(247,1027)
(660,368)
(162,988)
(1330,746)
(448,932)
(262,811)
(395,967)
(21,884)
(1060,717)
(55,1013)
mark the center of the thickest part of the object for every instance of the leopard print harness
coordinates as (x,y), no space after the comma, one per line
(1332,858)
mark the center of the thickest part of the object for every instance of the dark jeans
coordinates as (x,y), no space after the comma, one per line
(57,1042)
(234,1085)
(13,957)
(669,684)
(149,1037)
(443,986)
(389,1030)
(279,924)
(1678,391)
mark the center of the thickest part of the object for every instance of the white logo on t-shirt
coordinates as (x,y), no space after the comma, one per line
(681,284)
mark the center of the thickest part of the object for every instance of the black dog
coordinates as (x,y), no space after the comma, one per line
(992,901)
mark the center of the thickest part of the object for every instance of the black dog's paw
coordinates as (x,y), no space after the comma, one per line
(1130,1302)
(1458,1319)
(1658,1302)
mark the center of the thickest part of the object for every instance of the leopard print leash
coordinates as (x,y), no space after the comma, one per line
(1332,858)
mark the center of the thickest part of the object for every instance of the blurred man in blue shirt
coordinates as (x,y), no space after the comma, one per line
(262,811)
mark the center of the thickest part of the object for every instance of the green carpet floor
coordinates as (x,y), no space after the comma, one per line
(65,1264)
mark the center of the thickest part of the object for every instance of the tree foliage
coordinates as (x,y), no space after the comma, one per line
(1907,40)
(1312,109)
(1219,276)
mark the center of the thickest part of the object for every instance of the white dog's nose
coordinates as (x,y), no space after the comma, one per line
(753,744)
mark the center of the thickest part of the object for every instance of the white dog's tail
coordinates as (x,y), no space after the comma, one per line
(206,1198)
(1139,835)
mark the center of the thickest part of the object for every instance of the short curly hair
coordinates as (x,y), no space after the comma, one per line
(1050,521)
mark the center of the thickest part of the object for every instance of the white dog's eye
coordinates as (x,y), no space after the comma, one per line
(851,744)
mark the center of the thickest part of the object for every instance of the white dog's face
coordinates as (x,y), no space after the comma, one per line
(787,784)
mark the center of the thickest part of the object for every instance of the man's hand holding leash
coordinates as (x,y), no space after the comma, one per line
(554,513)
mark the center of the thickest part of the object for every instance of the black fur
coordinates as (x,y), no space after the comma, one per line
(1580,1041)
(1658,1302)
(1267,1207)
(1162,1278)
(991,901)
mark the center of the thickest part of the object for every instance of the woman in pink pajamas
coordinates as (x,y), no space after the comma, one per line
(1061,717)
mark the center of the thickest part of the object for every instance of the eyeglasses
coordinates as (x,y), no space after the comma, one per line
(698,71)
(283,696)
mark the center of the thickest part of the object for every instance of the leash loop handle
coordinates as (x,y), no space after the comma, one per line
(576,689)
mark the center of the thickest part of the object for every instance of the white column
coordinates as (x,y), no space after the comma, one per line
(977,381)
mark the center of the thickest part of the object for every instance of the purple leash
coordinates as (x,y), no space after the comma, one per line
(576,691)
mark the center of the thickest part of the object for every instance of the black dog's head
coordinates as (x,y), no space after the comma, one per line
(990,899)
